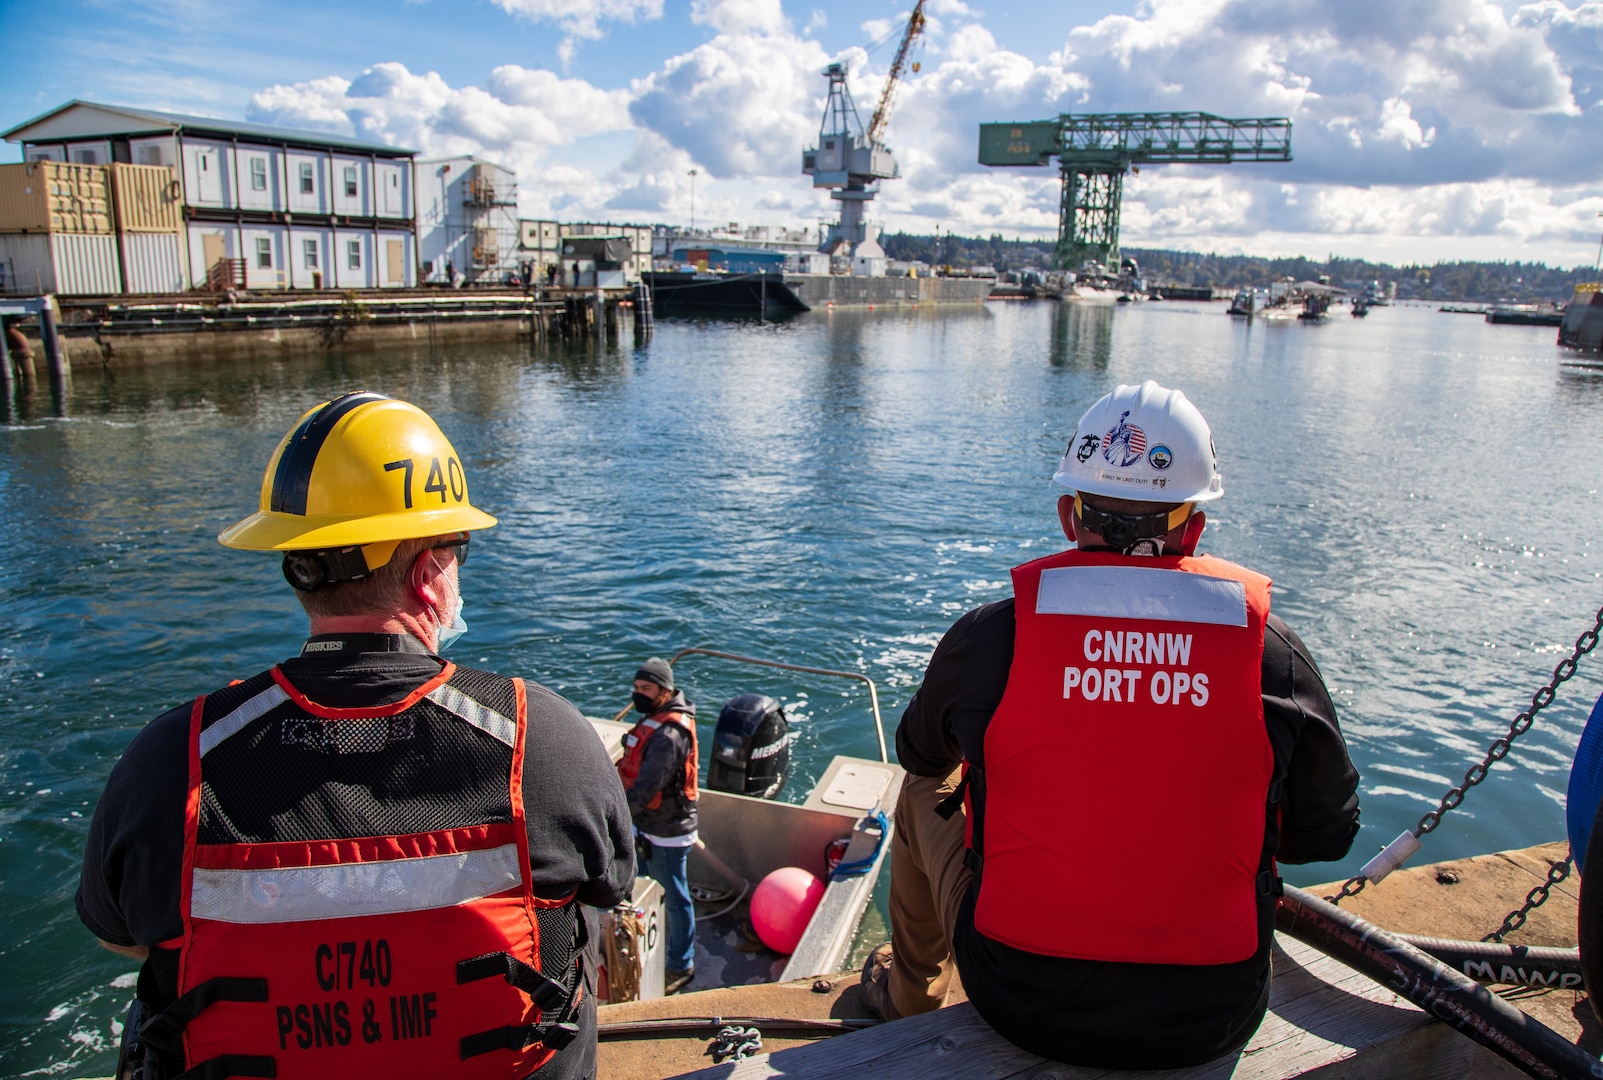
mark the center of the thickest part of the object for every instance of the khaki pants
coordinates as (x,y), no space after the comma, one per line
(928,880)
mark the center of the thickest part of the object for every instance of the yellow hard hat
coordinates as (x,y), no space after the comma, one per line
(362,470)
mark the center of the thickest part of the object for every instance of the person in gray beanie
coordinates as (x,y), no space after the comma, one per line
(658,770)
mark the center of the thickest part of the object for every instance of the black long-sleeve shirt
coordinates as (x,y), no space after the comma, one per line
(1131,1015)
(576,815)
(662,770)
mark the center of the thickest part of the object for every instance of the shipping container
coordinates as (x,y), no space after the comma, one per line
(51,196)
(149,199)
(68,264)
(153,262)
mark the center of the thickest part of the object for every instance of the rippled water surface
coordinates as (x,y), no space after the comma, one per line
(831,491)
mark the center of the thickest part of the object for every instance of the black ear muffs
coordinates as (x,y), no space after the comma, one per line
(309,571)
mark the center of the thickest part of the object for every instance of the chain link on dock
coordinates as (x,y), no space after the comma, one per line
(1478,772)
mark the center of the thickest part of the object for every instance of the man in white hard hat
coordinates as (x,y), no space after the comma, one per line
(1104,769)
(367,860)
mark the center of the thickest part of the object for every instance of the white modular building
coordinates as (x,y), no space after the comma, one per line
(264,207)
(467,222)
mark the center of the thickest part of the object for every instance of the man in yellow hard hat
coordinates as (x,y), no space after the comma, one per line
(366,860)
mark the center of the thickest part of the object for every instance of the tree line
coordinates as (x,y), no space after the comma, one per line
(1468,282)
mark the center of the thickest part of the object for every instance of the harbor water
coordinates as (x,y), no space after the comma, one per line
(832,491)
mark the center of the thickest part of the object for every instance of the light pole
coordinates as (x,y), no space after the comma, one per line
(693,199)
(1597,267)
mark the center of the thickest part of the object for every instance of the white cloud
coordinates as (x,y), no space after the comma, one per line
(741,105)
(1425,122)
(581,19)
(739,16)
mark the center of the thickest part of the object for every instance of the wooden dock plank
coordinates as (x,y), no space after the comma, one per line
(1323,1016)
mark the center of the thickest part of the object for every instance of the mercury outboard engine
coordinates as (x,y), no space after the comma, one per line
(750,748)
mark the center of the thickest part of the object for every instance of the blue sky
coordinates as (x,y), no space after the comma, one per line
(1423,129)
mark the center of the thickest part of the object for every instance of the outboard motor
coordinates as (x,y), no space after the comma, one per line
(750,748)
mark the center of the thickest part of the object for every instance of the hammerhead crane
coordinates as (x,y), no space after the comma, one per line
(1095,150)
(851,161)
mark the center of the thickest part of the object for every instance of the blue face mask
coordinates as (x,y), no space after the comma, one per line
(445,636)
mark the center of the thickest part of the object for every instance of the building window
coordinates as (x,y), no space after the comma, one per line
(309,248)
(350,180)
(353,254)
(307,185)
(264,253)
(86,157)
(258,174)
(150,155)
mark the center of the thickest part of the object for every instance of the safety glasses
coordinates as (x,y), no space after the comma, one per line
(458,548)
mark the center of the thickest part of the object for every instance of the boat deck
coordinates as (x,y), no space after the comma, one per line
(1325,1019)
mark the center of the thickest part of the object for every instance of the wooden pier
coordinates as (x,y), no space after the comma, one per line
(1325,1019)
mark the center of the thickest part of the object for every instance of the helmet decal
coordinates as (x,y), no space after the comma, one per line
(292,480)
(1124,444)
(1144,443)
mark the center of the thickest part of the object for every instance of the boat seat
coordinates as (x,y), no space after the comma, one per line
(1324,1020)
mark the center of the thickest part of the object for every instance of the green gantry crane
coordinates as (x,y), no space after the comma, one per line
(1095,150)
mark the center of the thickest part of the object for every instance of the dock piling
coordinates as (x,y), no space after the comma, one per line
(55,355)
(642,311)
(7,376)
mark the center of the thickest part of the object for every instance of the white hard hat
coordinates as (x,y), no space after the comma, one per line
(1145,443)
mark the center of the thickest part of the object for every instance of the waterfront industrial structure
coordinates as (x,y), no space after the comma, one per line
(1096,150)
(73,229)
(263,207)
(467,220)
(850,160)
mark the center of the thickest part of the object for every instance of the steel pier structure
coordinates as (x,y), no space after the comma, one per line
(1095,150)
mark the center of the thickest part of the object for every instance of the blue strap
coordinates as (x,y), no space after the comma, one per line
(861,866)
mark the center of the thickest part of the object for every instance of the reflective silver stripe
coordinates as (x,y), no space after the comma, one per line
(485,719)
(1129,592)
(271,698)
(304,893)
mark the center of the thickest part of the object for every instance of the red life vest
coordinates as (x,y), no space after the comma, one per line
(1132,728)
(356,896)
(634,752)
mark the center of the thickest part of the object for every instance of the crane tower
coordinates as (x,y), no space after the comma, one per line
(851,160)
(1095,150)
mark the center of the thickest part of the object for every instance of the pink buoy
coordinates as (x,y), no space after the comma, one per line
(782,906)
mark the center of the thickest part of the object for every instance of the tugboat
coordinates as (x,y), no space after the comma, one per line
(1315,306)
(1247,302)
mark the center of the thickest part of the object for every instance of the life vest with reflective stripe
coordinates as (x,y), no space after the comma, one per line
(1132,727)
(634,752)
(356,895)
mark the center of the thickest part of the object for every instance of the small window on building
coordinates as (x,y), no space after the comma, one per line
(86,157)
(307,184)
(350,180)
(264,253)
(353,254)
(150,155)
(258,174)
(309,247)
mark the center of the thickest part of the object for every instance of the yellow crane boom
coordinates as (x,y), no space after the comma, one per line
(882,115)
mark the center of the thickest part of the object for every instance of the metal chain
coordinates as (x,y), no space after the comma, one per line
(1533,900)
(1498,750)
